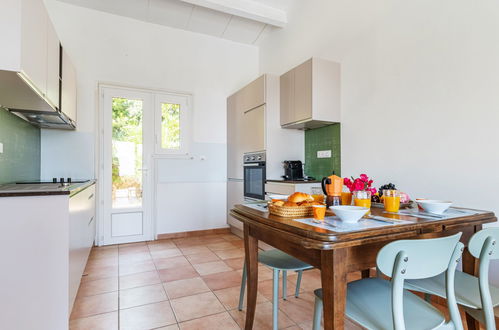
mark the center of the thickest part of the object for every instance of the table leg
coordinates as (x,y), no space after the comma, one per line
(334,287)
(470,266)
(251,250)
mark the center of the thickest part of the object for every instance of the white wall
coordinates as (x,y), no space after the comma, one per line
(109,48)
(420,82)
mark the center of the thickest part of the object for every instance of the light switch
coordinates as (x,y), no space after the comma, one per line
(1,148)
(324,154)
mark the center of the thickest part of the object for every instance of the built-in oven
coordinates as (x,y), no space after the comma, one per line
(254,175)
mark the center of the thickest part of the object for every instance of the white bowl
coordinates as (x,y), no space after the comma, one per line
(434,206)
(349,214)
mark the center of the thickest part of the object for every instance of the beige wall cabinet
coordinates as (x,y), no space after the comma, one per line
(253,94)
(234,138)
(310,95)
(253,129)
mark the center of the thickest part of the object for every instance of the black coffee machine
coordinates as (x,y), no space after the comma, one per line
(293,170)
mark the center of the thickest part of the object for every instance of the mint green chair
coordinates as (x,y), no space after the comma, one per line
(375,303)
(475,294)
(277,260)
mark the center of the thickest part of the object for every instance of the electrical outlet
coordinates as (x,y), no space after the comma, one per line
(324,154)
(1,148)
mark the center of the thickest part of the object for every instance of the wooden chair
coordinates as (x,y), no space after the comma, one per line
(375,303)
(475,294)
(277,260)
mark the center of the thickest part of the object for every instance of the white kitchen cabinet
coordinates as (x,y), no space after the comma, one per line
(235,195)
(53,61)
(310,95)
(253,129)
(68,97)
(34,43)
(81,236)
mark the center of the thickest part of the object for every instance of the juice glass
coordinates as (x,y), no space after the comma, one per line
(391,199)
(319,212)
(362,198)
(346,198)
(318,194)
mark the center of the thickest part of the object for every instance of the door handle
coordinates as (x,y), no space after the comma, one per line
(143,169)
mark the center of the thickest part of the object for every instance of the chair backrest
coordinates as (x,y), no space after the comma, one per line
(425,257)
(416,259)
(483,245)
(477,243)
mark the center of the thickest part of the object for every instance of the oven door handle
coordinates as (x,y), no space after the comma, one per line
(253,165)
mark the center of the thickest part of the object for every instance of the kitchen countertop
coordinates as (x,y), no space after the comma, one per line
(293,182)
(48,189)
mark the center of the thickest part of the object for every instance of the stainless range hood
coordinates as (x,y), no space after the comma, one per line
(19,96)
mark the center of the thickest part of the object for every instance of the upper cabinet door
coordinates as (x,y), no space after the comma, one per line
(287,97)
(310,95)
(254,129)
(68,97)
(34,44)
(303,91)
(253,95)
(234,139)
(53,60)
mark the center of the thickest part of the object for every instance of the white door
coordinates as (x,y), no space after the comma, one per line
(128,142)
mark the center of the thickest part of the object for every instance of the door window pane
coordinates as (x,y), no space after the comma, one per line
(170,126)
(127,153)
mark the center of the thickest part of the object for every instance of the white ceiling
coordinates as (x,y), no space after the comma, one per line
(182,14)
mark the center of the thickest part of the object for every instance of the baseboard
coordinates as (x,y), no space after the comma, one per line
(195,233)
(236,231)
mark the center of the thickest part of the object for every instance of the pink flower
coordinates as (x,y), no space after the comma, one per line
(372,190)
(358,185)
(364,177)
(369,183)
(347,182)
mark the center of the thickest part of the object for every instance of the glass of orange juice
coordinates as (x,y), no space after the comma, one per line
(391,199)
(346,198)
(318,194)
(319,212)
(362,198)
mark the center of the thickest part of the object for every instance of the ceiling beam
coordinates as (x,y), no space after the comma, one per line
(246,8)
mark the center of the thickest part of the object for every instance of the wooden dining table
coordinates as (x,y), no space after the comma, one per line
(338,253)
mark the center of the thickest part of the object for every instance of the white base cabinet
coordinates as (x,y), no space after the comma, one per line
(44,248)
(81,236)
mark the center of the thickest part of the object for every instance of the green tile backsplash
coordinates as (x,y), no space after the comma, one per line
(20,159)
(324,138)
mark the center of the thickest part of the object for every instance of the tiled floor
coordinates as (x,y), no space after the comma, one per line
(186,283)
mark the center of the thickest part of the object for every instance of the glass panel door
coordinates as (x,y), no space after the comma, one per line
(128,140)
(127,152)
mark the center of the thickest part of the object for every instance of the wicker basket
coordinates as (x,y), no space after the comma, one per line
(291,211)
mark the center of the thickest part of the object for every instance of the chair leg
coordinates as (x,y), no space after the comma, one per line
(317,313)
(275,299)
(284,284)
(427,297)
(298,283)
(243,287)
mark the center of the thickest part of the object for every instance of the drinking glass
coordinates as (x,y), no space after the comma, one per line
(346,198)
(317,194)
(319,212)
(391,199)
(362,198)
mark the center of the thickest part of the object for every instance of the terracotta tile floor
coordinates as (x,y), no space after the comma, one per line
(186,283)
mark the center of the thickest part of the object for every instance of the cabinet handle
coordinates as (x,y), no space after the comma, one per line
(90,197)
(91,219)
